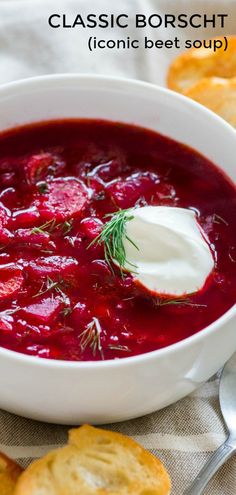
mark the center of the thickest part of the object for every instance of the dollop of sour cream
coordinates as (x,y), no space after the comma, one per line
(173,256)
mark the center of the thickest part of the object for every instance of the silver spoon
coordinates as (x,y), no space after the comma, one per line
(227,396)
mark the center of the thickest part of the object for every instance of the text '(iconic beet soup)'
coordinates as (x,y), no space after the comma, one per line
(59,297)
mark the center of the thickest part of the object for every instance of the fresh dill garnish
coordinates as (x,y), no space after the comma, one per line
(58,286)
(45,227)
(218,219)
(46,287)
(66,226)
(123,348)
(167,196)
(49,285)
(52,227)
(59,289)
(141,202)
(66,311)
(91,337)
(112,236)
(178,301)
(46,251)
(231,257)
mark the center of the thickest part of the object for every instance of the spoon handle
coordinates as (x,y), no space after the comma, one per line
(222,454)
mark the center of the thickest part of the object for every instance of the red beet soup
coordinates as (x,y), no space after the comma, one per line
(59,298)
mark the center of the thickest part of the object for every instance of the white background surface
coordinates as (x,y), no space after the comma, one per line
(28,46)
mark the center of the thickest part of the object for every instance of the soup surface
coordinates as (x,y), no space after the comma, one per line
(59,298)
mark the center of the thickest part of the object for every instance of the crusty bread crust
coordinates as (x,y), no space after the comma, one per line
(9,473)
(96,462)
(198,63)
(217,94)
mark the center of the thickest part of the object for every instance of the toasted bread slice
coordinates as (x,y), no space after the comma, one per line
(96,462)
(197,63)
(9,473)
(219,95)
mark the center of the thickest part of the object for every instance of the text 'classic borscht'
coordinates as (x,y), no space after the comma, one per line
(114,241)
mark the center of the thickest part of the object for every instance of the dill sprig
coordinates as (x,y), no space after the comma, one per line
(45,227)
(91,337)
(231,257)
(49,285)
(67,310)
(178,301)
(52,226)
(112,237)
(218,219)
(66,226)
(123,348)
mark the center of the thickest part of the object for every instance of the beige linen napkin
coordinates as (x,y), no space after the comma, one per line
(184,434)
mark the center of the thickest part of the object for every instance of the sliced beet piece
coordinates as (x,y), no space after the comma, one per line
(109,170)
(64,199)
(9,197)
(54,267)
(4,215)
(8,179)
(80,315)
(125,193)
(6,321)
(5,234)
(25,218)
(37,167)
(164,194)
(33,237)
(11,280)
(45,311)
(7,164)
(91,227)
(5,325)
(102,271)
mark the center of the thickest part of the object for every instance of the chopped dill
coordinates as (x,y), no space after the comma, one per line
(66,311)
(219,219)
(52,227)
(66,226)
(91,337)
(45,227)
(112,236)
(177,301)
(49,285)
(231,257)
(123,348)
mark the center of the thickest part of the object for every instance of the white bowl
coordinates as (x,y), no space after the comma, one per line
(103,392)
